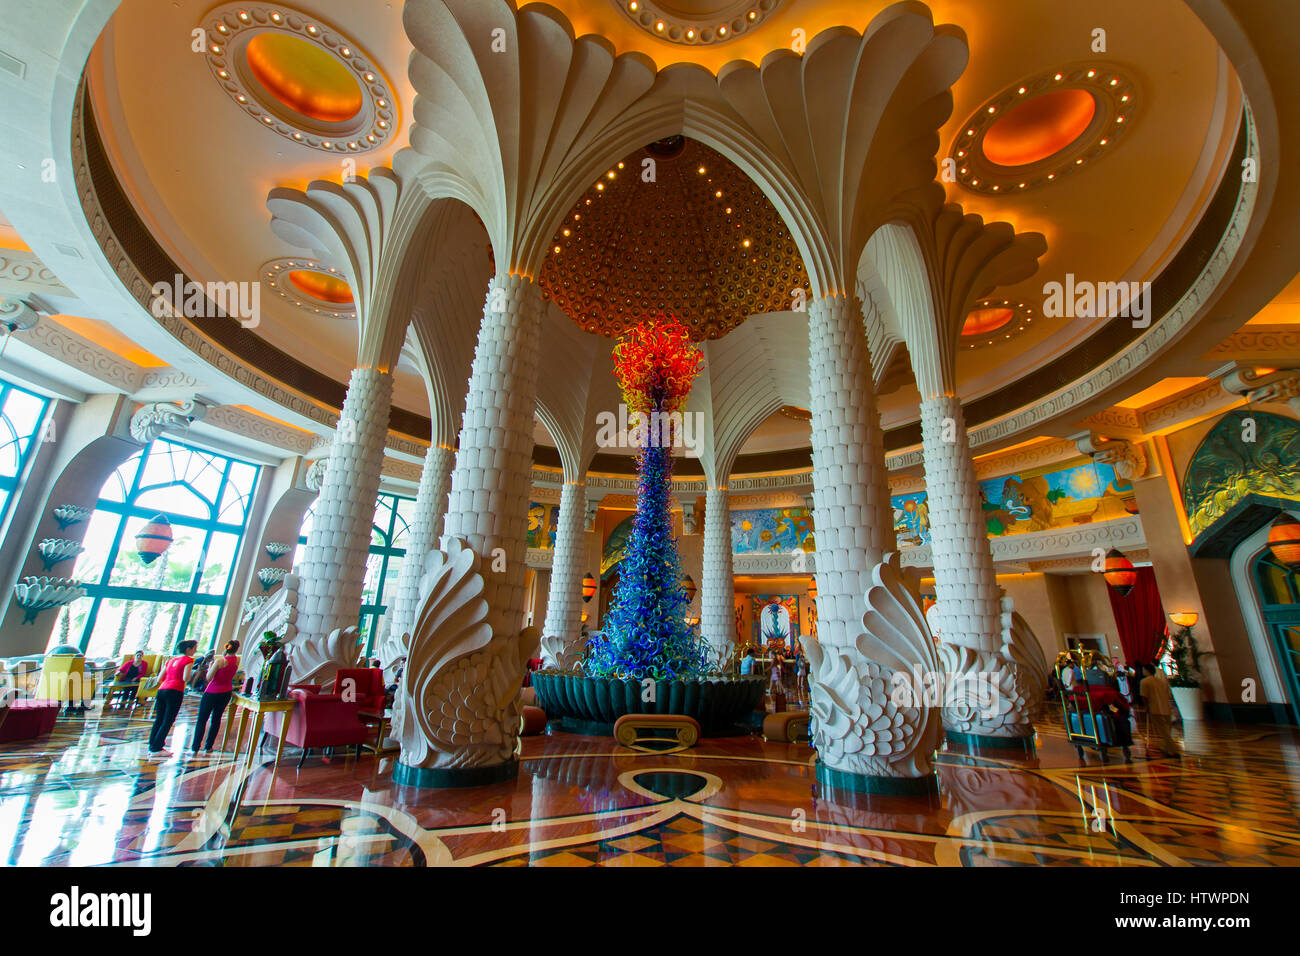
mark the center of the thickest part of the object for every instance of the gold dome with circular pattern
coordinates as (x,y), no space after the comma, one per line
(699,242)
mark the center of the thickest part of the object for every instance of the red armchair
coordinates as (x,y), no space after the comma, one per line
(320,720)
(368,686)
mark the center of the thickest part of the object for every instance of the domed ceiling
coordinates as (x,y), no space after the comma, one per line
(698,241)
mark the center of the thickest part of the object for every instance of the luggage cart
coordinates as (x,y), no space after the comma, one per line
(1086,701)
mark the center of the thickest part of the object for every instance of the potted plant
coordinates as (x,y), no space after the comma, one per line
(1186,657)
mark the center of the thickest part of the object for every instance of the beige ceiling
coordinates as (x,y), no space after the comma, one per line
(198,168)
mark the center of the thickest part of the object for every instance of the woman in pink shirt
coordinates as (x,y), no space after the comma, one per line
(216,695)
(171,693)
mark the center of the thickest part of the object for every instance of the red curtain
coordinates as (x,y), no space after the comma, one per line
(1140,619)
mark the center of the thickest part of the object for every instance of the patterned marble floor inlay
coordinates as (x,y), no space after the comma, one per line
(87,795)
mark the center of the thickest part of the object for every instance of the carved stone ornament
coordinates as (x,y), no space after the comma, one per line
(864,725)
(995,693)
(1126,457)
(457,703)
(1281,387)
(150,421)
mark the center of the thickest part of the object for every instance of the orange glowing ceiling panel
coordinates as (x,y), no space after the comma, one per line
(983,321)
(321,287)
(103,334)
(308,80)
(1039,128)
(1165,388)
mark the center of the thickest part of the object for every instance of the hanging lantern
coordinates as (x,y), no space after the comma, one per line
(812,587)
(154,538)
(589,586)
(1119,573)
(1284,540)
(688,587)
(1185,619)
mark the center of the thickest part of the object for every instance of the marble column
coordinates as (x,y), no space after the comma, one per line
(717,578)
(968,600)
(426,528)
(457,710)
(488,503)
(333,567)
(852,515)
(561,640)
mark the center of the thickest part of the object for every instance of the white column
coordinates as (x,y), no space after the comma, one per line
(718,582)
(852,516)
(334,564)
(564,603)
(968,599)
(488,504)
(430,507)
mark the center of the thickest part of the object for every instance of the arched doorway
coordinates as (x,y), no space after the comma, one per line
(1278,589)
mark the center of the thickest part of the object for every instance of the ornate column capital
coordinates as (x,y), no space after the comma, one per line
(1128,458)
(1280,386)
(589,510)
(690,518)
(18,314)
(150,421)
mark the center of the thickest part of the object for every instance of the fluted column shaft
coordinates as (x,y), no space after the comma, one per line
(718,584)
(968,606)
(488,504)
(851,510)
(426,527)
(333,568)
(564,601)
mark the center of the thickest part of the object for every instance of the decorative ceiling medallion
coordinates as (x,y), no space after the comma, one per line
(311,286)
(694,22)
(1043,129)
(701,242)
(299,77)
(995,320)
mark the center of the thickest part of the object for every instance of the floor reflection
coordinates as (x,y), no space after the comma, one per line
(87,796)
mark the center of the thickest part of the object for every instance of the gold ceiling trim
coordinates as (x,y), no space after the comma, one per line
(1115,94)
(226,33)
(704,24)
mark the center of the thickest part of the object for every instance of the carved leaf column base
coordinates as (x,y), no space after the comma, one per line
(456,713)
(874,727)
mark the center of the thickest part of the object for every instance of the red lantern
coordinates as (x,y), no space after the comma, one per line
(589,586)
(154,538)
(1284,540)
(1119,573)
(688,586)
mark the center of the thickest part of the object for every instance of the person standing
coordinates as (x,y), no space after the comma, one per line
(1160,707)
(171,694)
(747,662)
(216,696)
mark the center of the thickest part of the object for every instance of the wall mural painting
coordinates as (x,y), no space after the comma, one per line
(1034,501)
(911,519)
(1080,494)
(542,521)
(772,531)
(1227,466)
(776,620)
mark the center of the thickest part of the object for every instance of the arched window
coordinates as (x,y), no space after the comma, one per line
(393,516)
(132,604)
(21,416)
(1278,587)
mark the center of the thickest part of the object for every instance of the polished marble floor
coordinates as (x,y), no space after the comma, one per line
(86,796)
